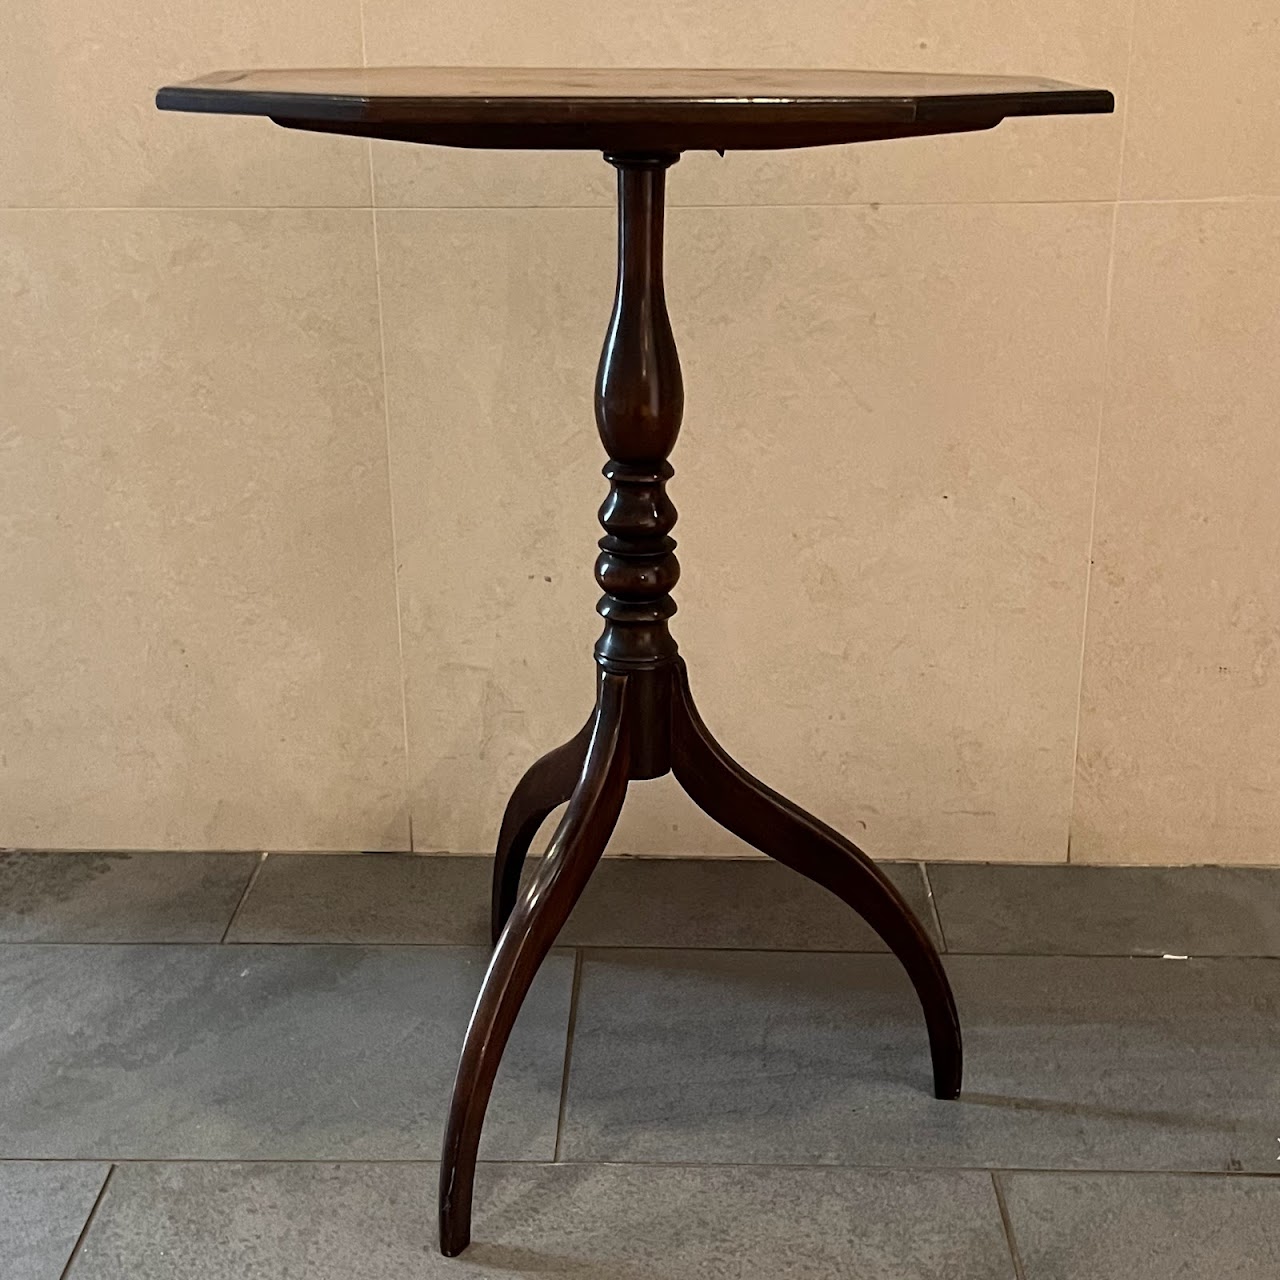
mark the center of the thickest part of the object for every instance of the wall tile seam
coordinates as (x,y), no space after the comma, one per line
(1102,417)
(1077,202)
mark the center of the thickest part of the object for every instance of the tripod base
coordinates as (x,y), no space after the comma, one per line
(645,725)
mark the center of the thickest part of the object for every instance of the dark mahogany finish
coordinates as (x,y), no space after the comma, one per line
(628,109)
(639,404)
(546,786)
(644,724)
(539,915)
(652,724)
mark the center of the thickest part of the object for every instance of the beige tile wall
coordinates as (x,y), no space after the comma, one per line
(977,479)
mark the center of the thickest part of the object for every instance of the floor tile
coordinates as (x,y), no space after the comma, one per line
(260,1052)
(43,1207)
(1145,1226)
(1070,1062)
(1066,910)
(648,902)
(120,897)
(372,1222)
(687,902)
(301,897)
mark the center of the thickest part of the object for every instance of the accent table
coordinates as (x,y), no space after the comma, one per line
(644,724)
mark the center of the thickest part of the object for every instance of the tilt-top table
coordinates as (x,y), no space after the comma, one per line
(645,723)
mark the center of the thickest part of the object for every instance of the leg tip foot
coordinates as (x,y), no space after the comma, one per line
(946,1082)
(453,1240)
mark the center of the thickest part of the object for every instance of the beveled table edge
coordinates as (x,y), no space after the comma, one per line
(533,120)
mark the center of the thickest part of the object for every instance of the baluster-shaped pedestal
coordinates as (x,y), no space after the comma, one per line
(645,724)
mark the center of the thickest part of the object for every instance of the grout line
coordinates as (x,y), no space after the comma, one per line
(386,424)
(1124,118)
(391,508)
(872,204)
(933,906)
(1010,1239)
(1093,524)
(364,48)
(552,208)
(649,862)
(575,991)
(1041,1171)
(244,895)
(1022,1171)
(479,945)
(1103,400)
(88,1222)
(653,863)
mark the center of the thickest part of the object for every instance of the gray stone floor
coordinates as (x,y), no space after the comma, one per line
(216,1066)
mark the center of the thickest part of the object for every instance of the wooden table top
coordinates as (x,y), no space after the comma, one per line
(627,108)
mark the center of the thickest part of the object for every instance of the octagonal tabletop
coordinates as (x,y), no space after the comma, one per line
(628,109)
